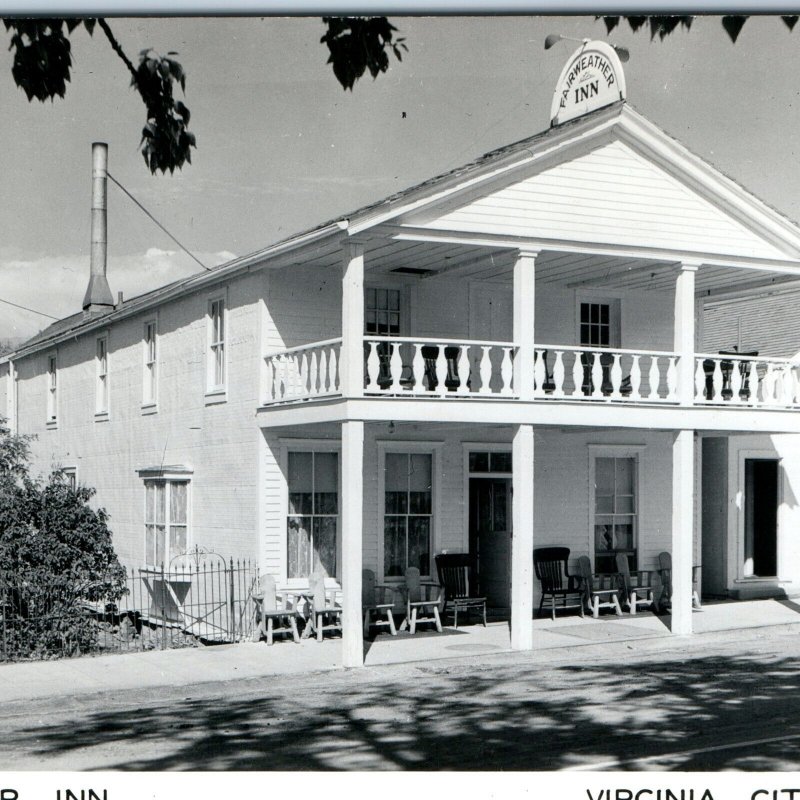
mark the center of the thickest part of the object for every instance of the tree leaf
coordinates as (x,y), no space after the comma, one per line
(790,21)
(733,24)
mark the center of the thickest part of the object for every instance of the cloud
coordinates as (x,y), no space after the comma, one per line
(55,285)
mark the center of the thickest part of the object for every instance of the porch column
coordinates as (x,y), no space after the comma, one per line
(352,523)
(524,312)
(351,369)
(683,462)
(522,539)
(684,331)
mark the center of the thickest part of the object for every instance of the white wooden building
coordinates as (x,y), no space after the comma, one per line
(368,393)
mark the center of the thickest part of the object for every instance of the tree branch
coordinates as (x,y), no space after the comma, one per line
(116,47)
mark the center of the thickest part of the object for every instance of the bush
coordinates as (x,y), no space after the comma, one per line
(56,557)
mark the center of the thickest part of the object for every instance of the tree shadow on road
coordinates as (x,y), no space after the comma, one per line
(529,717)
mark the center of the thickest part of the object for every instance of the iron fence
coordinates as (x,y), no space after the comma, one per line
(185,604)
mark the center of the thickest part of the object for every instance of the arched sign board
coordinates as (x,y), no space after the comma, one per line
(591,79)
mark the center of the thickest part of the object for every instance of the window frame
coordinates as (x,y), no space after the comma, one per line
(150,367)
(634,452)
(216,392)
(166,477)
(52,390)
(102,382)
(71,474)
(288,445)
(434,449)
(614,302)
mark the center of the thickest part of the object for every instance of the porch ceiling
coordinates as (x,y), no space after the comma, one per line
(431,261)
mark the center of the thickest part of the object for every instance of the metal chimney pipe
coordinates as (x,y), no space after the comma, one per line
(98,295)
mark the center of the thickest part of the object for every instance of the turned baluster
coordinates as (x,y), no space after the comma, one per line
(463,370)
(441,370)
(654,379)
(636,378)
(418,369)
(616,377)
(486,369)
(312,374)
(717,381)
(672,379)
(333,363)
(506,372)
(373,367)
(558,373)
(539,372)
(699,380)
(597,376)
(736,382)
(577,373)
(395,366)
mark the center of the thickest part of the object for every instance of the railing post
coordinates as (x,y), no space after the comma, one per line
(524,315)
(163,600)
(351,362)
(684,331)
(231,602)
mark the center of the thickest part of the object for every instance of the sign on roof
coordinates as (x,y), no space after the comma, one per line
(591,79)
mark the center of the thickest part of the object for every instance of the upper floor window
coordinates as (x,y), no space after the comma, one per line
(313,479)
(382,312)
(149,391)
(216,344)
(101,361)
(166,519)
(599,324)
(52,389)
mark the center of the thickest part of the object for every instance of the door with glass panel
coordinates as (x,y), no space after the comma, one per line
(490,537)
(615,512)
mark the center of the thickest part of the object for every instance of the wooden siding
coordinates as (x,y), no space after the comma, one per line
(611,196)
(769,324)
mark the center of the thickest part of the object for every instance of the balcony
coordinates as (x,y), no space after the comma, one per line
(450,369)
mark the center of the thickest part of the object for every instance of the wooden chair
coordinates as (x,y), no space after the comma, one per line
(600,590)
(422,602)
(637,588)
(665,573)
(456,577)
(275,613)
(373,601)
(550,564)
(326,613)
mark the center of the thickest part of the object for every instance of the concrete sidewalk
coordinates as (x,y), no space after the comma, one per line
(552,640)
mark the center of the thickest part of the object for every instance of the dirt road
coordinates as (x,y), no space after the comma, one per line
(722,705)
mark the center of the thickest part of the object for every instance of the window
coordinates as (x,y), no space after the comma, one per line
(70,476)
(52,389)
(149,392)
(615,511)
(313,479)
(382,312)
(407,513)
(165,520)
(101,404)
(499,461)
(599,323)
(216,362)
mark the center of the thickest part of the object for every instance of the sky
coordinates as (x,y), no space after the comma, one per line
(281,147)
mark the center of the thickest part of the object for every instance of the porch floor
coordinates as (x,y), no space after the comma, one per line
(569,630)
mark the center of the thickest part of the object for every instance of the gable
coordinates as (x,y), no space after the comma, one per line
(612,196)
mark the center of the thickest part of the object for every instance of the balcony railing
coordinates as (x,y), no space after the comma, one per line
(734,380)
(581,373)
(451,368)
(441,367)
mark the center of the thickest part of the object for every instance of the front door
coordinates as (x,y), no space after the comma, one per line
(761,517)
(490,537)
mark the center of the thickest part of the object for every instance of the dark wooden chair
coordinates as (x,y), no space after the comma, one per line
(275,613)
(601,590)
(327,614)
(606,387)
(665,574)
(637,587)
(423,599)
(558,586)
(457,577)
(374,602)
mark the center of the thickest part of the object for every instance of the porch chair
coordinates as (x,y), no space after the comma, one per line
(665,573)
(550,565)
(600,590)
(637,588)
(275,613)
(456,575)
(373,600)
(327,615)
(423,599)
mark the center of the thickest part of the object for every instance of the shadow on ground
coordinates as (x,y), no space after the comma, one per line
(679,715)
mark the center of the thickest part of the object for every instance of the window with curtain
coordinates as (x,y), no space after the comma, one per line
(615,512)
(165,520)
(407,513)
(312,524)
